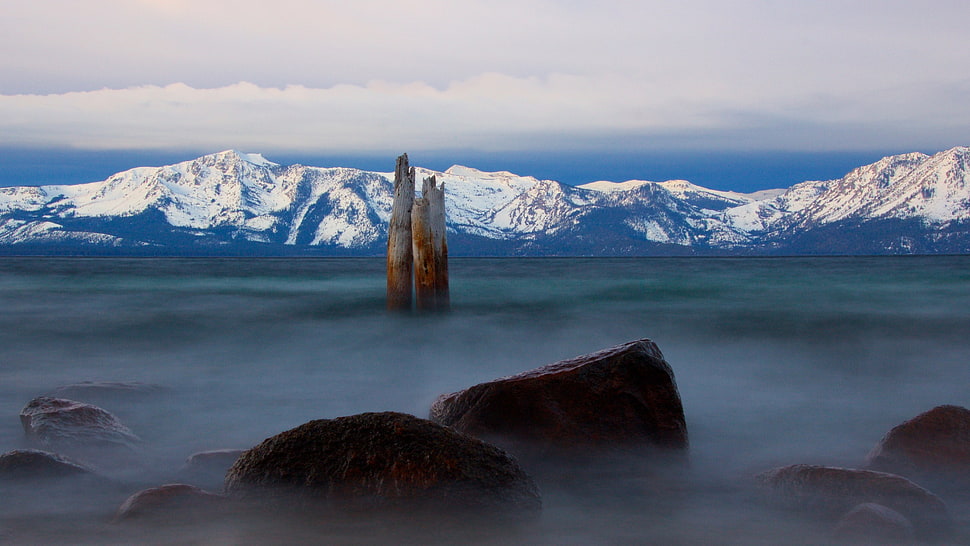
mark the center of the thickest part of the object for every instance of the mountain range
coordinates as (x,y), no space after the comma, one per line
(234,203)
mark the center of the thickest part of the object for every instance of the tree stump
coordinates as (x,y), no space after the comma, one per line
(430,248)
(400,259)
(417,248)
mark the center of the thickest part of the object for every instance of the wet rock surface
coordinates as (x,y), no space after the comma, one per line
(63,424)
(173,502)
(931,448)
(382,461)
(831,492)
(621,397)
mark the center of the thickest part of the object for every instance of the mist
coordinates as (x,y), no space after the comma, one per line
(778,361)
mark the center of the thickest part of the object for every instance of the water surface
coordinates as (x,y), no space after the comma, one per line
(778,360)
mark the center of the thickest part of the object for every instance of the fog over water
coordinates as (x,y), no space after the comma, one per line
(778,361)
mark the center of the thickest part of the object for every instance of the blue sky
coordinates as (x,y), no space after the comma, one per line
(617,86)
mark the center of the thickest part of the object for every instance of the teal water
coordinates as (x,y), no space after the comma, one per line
(778,360)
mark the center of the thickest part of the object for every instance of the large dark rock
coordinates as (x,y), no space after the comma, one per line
(173,503)
(622,397)
(931,448)
(382,460)
(32,464)
(832,492)
(62,424)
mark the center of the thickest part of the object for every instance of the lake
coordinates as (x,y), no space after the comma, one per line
(778,361)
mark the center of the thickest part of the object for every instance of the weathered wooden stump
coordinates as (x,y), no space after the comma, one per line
(400,258)
(430,248)
(417,244)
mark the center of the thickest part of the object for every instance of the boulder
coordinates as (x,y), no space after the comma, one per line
(61,424)
(932,448)
(382,461)
(874,524)
(32,464)
(38,482)
(621,397)
(173,502)
(832,492)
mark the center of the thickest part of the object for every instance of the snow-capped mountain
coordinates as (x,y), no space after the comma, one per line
(242,203)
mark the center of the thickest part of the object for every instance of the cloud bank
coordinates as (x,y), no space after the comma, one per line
(373,76)
(491,112)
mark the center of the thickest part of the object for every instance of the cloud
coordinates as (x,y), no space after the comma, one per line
(487,112)
(375,75)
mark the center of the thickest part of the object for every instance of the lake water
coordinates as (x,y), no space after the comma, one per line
(778,361)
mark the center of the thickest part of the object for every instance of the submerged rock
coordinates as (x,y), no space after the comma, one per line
(62,424)
(173,502)
(39,482)
(208,468)
(382,460)
(621,397)
(874,524)
(33,464)
(932,448)
(831,492)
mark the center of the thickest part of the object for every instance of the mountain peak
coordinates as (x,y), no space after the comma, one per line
(471,172)
(903,203)
(254,158)
(607,186)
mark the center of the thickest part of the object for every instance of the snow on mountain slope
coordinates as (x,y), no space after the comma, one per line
(606,186)
(232,196)
(935,189)
(500,204)
(217,189)
(336,206)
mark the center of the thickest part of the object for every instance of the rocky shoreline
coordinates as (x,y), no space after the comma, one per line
(486,454)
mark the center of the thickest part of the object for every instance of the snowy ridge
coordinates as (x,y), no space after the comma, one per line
(231,197)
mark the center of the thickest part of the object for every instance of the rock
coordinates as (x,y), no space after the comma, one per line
(382,461)
(39,482)
(178,501)
(63,424)
(874,524)
(622,397)
(831,492)
(33,464)
(931,448)
(208,468)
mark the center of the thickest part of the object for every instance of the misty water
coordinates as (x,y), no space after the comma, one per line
(778,361)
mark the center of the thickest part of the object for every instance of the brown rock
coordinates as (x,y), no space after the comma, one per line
(833,491)
(874,524)
(178,501)
(382,460)
(65,424)
(624,396)
(932,448)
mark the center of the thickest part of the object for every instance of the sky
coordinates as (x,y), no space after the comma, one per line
(576,90)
